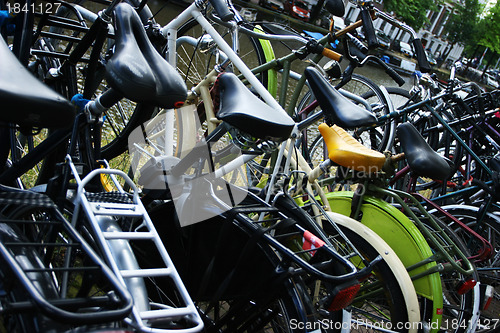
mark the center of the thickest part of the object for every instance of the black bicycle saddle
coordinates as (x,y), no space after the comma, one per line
(336,108)
(137,70)
(240,108)
(423,160)
(26,100)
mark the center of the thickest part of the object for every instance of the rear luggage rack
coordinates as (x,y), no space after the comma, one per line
(118,219)
(47,256)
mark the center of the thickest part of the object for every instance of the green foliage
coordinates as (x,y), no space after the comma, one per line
(490,29)
(412,12)
(462,26)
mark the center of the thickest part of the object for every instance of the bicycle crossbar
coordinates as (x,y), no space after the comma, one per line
(178,312)
(128,235)
(147,272)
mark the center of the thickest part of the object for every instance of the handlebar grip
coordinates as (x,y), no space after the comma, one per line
(331,54)
(423,63)
(371,38)
(335,7)
(356,42)
(395,76)
(222,10)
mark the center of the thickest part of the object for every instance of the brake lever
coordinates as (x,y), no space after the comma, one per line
(391,72)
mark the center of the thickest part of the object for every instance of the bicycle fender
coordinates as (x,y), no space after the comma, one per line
(392,260)
(403,237)
(272,74)
(124,259)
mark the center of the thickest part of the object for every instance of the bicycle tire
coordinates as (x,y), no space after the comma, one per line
(45,59)
(197,55)
(194,63)
(421,119)
(23,141)
(201,64)
(122,118)
(457,308)
(81,283)
(390,306)
(251,301)
(393,226)
(22,37)
(490,230)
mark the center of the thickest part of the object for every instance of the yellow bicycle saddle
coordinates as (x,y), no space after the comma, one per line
(344,150)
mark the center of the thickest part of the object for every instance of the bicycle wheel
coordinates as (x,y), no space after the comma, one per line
(458,307)
(23,21)
(24,140)
(365,93)
(256,315)
(381,302)
(230,277)
(490,230)
(69,271)
(444,144)
(70,26)
(421,118)
(197,53)
(196,56)
(385,306)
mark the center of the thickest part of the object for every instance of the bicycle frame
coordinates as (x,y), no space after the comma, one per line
(170,33)
(443,125)
(119,255)
(399,232)
(390,224)
(486,250)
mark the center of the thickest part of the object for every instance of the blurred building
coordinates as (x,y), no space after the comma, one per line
(433,35)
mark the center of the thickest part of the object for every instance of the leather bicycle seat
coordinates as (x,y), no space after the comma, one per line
(423,160)
(26,100)
(336,108)
(137,70)
(240,108)
(344,150)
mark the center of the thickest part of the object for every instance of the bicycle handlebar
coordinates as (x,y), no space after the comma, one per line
(423,63)
(261,35)
(370,36)
(391,72)
(356,42)
(317,48)
(331,54)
